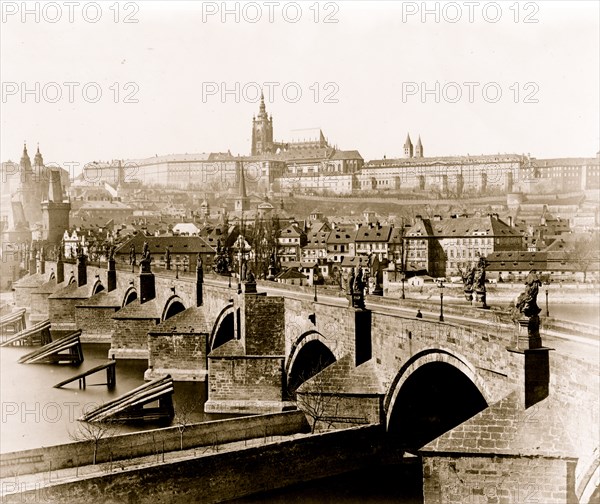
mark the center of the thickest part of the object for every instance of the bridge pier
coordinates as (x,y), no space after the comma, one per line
(246,374)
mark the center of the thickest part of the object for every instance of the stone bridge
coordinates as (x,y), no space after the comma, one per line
(476,400)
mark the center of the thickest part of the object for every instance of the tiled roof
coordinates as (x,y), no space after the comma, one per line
(136,310)
(290,274)
(373,234)
(355,261)
(349,154)
(341,236)
(191,320)
(334,378)
(104,299)
(292,231)
(538,431)
(176,244)
(473,226)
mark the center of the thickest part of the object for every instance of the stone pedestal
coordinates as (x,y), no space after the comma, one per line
(534,369)
(529,333)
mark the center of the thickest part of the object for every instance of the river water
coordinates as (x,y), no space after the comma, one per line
(35,414)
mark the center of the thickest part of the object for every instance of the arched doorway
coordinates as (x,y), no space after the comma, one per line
(311,358)
(433,399)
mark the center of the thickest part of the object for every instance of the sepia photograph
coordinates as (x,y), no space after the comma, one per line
(338,252)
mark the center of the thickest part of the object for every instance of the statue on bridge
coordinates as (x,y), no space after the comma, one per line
(146,259)
(358,289)
(468,277)
(221,263)
(168,258)
(132,258)
(479,281)
(526,302)
(351,279)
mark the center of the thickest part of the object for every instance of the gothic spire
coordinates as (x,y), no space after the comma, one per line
(242,193)
(38,160)
(25,161)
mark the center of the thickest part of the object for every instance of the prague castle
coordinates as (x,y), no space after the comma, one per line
(307,163)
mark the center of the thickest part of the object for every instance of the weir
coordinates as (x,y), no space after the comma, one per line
(38,334)
(130,406)
(53,353)
(111,376)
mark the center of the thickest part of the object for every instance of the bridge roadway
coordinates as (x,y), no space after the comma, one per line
(581,347)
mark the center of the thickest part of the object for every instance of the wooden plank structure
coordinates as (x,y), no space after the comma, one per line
(65,350)
(111,376)
(130,406)
(12,323)
(38,334)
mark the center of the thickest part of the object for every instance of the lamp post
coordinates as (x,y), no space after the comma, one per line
(240,246)
(547,311)
(402,279)
(315,297)
(441,286)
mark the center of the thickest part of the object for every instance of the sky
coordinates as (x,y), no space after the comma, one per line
(121,80)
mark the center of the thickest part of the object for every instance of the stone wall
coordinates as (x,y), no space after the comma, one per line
(183,356)
(251,384)
(151,441)
(502,480)
(95,322)
(227,475)
(264,325)
(130,338)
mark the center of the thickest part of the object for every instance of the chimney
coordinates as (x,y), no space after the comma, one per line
(81,269)
(42,264)
(510,221)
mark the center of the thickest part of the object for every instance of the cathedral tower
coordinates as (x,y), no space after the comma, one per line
(262,130)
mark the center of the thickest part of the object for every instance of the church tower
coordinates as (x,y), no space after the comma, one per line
(55,211)
(419,148)
(241,202)
(408,147)
(262,130)
(29,190)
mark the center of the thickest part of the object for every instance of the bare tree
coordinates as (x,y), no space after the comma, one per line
(184,418)
(93,433)
(315,399)
(583,253)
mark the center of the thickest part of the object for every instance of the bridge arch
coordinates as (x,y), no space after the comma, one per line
(309,355)
(71,279)
(52,275)
(129,297)
(587,488)
(434,391)
(224,328)
(173,306)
